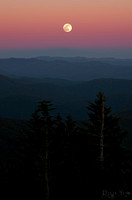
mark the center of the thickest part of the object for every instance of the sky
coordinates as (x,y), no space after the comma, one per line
(103,27)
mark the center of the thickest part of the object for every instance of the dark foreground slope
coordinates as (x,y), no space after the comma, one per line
(19,170)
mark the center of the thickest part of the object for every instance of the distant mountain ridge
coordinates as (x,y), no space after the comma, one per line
(111,60)
(75,69)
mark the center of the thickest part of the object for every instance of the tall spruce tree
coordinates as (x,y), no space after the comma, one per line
(106,136)
(42,126)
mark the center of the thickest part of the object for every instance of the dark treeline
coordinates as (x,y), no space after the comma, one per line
(63,159)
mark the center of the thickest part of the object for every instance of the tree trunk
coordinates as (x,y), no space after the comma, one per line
(102,133)
(47,167)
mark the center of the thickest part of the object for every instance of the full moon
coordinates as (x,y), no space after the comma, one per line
(67,27)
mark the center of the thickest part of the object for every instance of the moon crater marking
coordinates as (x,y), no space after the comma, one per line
(67,27)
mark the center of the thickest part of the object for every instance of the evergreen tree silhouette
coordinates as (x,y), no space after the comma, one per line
(42,126)
(106,136)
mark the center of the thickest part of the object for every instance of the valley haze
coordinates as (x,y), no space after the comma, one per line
(117,52)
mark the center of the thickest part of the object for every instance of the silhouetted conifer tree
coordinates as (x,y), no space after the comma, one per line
(106,137)
(42,126)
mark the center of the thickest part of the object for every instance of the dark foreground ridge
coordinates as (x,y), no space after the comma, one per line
(19,96)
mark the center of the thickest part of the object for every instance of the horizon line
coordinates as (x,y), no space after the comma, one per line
(124,53)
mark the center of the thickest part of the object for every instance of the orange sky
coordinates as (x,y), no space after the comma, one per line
(38,23)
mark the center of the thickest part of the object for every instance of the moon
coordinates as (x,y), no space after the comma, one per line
(67,27)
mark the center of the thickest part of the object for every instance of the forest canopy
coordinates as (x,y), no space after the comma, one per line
(52,158)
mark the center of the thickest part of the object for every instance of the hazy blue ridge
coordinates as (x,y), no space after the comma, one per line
(75,69)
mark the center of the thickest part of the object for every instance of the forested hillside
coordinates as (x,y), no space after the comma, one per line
(19,96)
